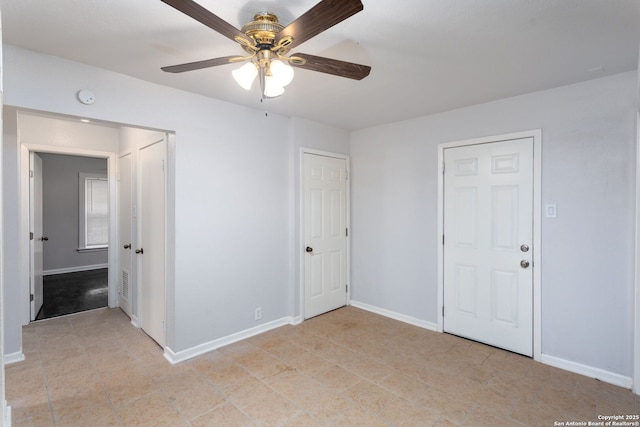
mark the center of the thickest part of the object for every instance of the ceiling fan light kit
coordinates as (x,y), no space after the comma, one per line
(268,42)
(245,75)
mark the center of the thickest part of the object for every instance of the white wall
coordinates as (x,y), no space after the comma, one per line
(588,166)
(38,129)
(232,189)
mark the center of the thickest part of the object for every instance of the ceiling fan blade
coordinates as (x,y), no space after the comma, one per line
(320,17)
(199,64)
(204,16)
(332,66)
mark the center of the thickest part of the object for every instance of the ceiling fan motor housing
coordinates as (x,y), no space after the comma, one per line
(263,30)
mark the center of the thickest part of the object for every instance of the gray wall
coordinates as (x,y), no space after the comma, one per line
(588,166)
(60,210)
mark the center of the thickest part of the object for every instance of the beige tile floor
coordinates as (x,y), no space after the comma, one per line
(345,368)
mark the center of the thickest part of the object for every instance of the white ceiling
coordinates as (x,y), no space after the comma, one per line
(427,56)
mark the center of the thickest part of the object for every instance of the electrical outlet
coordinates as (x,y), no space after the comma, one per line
(258,314)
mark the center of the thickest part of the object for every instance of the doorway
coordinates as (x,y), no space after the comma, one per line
(62,135)
(488,275)
(325,232)
(69,216)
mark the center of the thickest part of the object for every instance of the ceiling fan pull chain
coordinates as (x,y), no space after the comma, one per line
(262,100)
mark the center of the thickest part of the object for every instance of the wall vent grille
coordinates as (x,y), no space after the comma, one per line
(124,286)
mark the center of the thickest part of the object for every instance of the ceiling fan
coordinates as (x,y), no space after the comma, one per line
(267,44)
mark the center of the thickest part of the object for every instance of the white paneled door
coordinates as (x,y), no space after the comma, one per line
(325,233)
(488,235)
(37,234)
(151,238)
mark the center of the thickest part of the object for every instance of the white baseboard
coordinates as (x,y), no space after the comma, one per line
(588,371)
(134,321)
(182,355)
(397,316)
(74,269)
(6,422)
(16,357)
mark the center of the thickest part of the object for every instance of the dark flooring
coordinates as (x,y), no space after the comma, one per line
(69,293)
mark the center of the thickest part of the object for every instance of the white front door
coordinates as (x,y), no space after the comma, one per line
(325,233)
(151,238)
(488,238)
(125,233)
(37,237)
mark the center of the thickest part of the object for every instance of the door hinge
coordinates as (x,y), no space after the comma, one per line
(346,232)
(443,240)
(163,166)
(346,175)
(443,311)
(346,288)
(30,174)
(30,297)
(443,167)
(31,235)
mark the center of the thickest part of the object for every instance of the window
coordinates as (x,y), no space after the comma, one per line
(94,212)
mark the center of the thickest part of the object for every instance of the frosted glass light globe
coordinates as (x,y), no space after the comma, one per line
(245,75)
(282,72)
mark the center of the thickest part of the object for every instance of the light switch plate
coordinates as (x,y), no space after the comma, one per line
(550,210)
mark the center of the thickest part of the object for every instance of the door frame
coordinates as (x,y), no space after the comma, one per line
(636,309)
(131,298)
(301,243)
(536,134)
(33,200)
(24,217)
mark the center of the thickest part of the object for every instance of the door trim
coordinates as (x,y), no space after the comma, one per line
(636,310)
(131,299)
(33,200)
(24,216)
(536,134)
(301,243)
